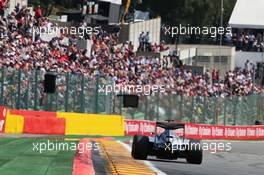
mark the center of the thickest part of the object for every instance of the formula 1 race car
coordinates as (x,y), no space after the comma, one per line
(167,145)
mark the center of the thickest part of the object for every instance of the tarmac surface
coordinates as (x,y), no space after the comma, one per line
(244,158)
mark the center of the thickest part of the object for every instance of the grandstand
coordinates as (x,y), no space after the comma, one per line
(24,62)
(98,72)
(248,35)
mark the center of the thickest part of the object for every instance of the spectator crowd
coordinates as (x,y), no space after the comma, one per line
(21,49)
(246,41)
(145,44)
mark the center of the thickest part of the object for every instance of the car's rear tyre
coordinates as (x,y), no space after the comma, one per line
(194,152)
(140,147)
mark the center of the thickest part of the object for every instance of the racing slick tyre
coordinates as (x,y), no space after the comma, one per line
(140,147)
(194,152)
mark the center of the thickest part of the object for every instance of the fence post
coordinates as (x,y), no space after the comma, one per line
(204,108)
(49,99)
(234,113)
(26,96)
(192,111)
(56,100)
(18,89)
(170,106)
(96,95)
(146,117)
(129,110)
(35,90)
(224,111)
(120,105)
(82,94)
(262,106)
(109,103)
(67,93)
(157,107)
(215,110)
(2,86)
(181,113)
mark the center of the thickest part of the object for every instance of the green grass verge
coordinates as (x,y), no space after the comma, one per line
(121,138)
(17,157)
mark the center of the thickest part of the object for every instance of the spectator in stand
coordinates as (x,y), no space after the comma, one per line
(228,37)
(17,8)
(162,46)
(247,64)
(248,41)
(2,8)
(240,42)
(147,42)
(251,41)
(38,12)
(215,76)
(141,41)
(245,41)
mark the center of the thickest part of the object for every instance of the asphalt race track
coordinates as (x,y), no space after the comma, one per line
(245,158)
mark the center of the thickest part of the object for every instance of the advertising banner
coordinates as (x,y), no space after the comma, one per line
(199,131)
(142,127)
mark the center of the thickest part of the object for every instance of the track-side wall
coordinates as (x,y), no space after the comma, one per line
(61,123)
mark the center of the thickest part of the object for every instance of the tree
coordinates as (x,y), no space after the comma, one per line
(48,5)
(193,12)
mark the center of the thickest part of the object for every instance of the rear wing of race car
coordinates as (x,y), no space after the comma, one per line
(171,125)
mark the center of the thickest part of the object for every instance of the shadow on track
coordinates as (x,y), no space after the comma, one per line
(166,161)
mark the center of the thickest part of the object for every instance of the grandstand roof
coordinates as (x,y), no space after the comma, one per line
(248,14)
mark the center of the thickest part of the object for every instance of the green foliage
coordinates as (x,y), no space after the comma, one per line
(48,5)
(196,13)
(193,12)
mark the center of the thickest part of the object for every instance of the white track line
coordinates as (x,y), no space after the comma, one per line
(149,164)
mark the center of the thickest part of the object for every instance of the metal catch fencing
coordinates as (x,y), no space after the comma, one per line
(79,93)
